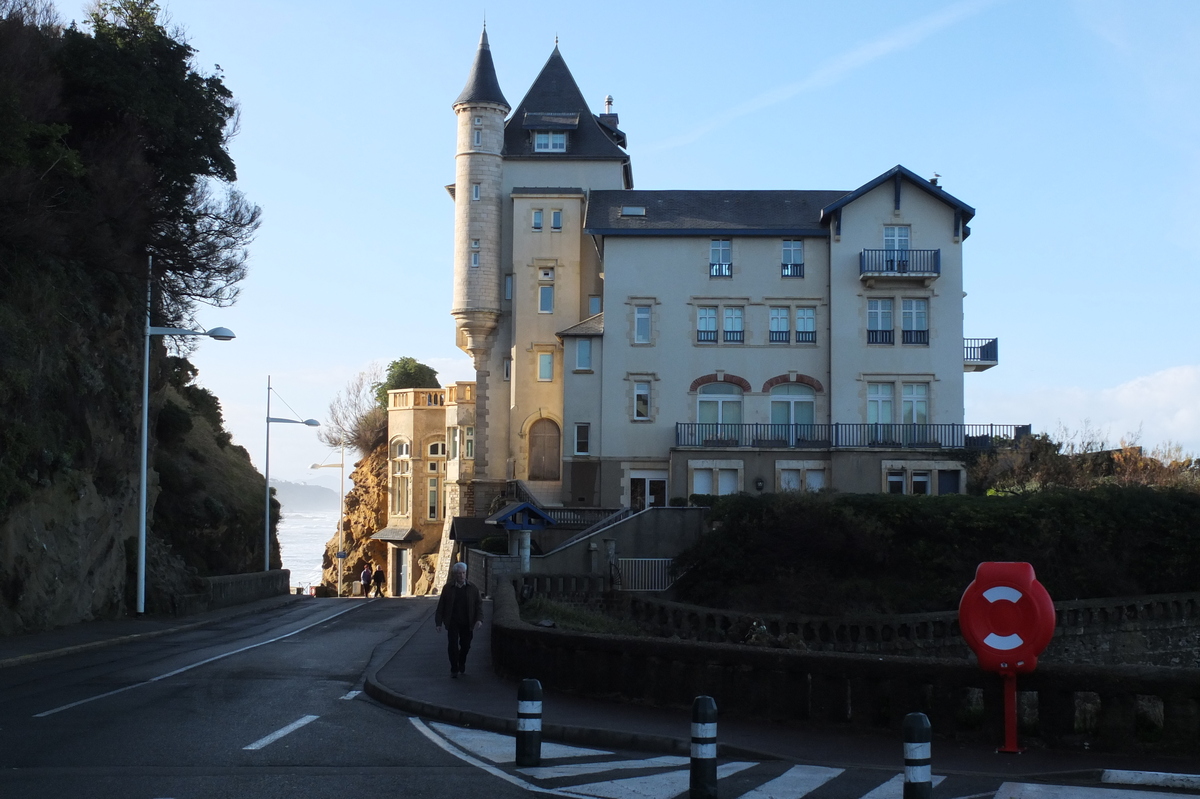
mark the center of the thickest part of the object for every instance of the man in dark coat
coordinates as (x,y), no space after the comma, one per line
(460,610)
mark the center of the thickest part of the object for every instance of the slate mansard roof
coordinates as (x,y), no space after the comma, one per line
(744,213)
(554,102)
(695,213)
(482,84)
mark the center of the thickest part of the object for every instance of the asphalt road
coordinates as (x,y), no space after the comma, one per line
(176,716)
(268,705)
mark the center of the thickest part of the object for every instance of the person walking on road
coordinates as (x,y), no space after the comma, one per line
(460,610)
(377,579)
(366,580)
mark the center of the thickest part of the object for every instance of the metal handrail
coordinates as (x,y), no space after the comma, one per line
(900,262)
(839,435)
(981,349)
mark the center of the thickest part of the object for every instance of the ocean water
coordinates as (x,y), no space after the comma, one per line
(302,538)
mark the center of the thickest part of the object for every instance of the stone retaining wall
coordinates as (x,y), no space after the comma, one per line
(234,589)
(1112,707)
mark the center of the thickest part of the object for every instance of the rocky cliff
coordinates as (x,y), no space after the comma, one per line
(366,514)
(116,201)
(68,532)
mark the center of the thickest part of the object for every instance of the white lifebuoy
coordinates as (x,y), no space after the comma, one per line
(1003,593)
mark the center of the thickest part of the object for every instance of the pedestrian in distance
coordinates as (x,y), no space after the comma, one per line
(366,580)
(460,610)
(377,578)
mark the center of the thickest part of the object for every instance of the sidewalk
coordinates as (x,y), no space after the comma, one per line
(16,650)
(414,676)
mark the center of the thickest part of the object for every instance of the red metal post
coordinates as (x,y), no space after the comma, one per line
(1010,715)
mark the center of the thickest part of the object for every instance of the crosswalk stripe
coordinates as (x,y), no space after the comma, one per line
(657,786)
(1026,790)
(796,782)
(894,788)
(577,769)
(500,748)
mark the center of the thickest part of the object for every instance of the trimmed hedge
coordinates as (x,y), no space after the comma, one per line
(832,553)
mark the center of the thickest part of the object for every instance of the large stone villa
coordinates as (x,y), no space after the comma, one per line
(635,347)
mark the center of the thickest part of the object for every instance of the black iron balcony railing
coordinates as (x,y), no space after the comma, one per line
(806,337)
(881,337)
(916,337)
(981,349)
(922,263)
(781,335)
(791,270)
(720,270)
(706,335)
(835,436)
(735,335)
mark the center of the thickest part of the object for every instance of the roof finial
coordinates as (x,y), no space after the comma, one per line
(556,40)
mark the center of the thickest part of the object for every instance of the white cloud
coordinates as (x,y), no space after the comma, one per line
(1162,406)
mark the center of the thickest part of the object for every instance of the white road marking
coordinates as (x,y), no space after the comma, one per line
(45,713)
(275,736)
(1158,779)
(1025,790)
(352,694)
(500,748)
(894,788)
(796,782)
(657,786)
(490,769)
(577,769)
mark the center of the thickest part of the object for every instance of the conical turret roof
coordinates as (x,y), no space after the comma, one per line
(482,85)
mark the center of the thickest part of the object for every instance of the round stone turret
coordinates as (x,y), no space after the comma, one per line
(481,109)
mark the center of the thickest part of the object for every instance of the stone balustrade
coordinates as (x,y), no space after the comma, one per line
(1159,630)
(1111,707)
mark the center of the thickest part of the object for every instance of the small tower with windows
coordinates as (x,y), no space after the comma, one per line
(481,109)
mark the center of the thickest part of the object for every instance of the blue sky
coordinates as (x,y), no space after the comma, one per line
(1072,127)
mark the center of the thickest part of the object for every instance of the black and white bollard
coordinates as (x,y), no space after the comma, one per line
(703,783)
(529,724)
(918,774)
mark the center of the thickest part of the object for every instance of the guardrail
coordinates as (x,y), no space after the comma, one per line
(645,574)
(981,349)
(900,262)
(832,436)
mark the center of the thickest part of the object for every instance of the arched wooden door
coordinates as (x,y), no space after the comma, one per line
(545,451)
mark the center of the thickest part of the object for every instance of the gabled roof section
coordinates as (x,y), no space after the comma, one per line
(554,102)
(520,516)
(703,213)
(899,172)
(592,326)
(482,85)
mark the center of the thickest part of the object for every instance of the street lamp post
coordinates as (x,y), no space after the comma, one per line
(341,559)
(220,334)
(267,474)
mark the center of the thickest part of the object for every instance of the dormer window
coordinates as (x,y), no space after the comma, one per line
(550,141)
